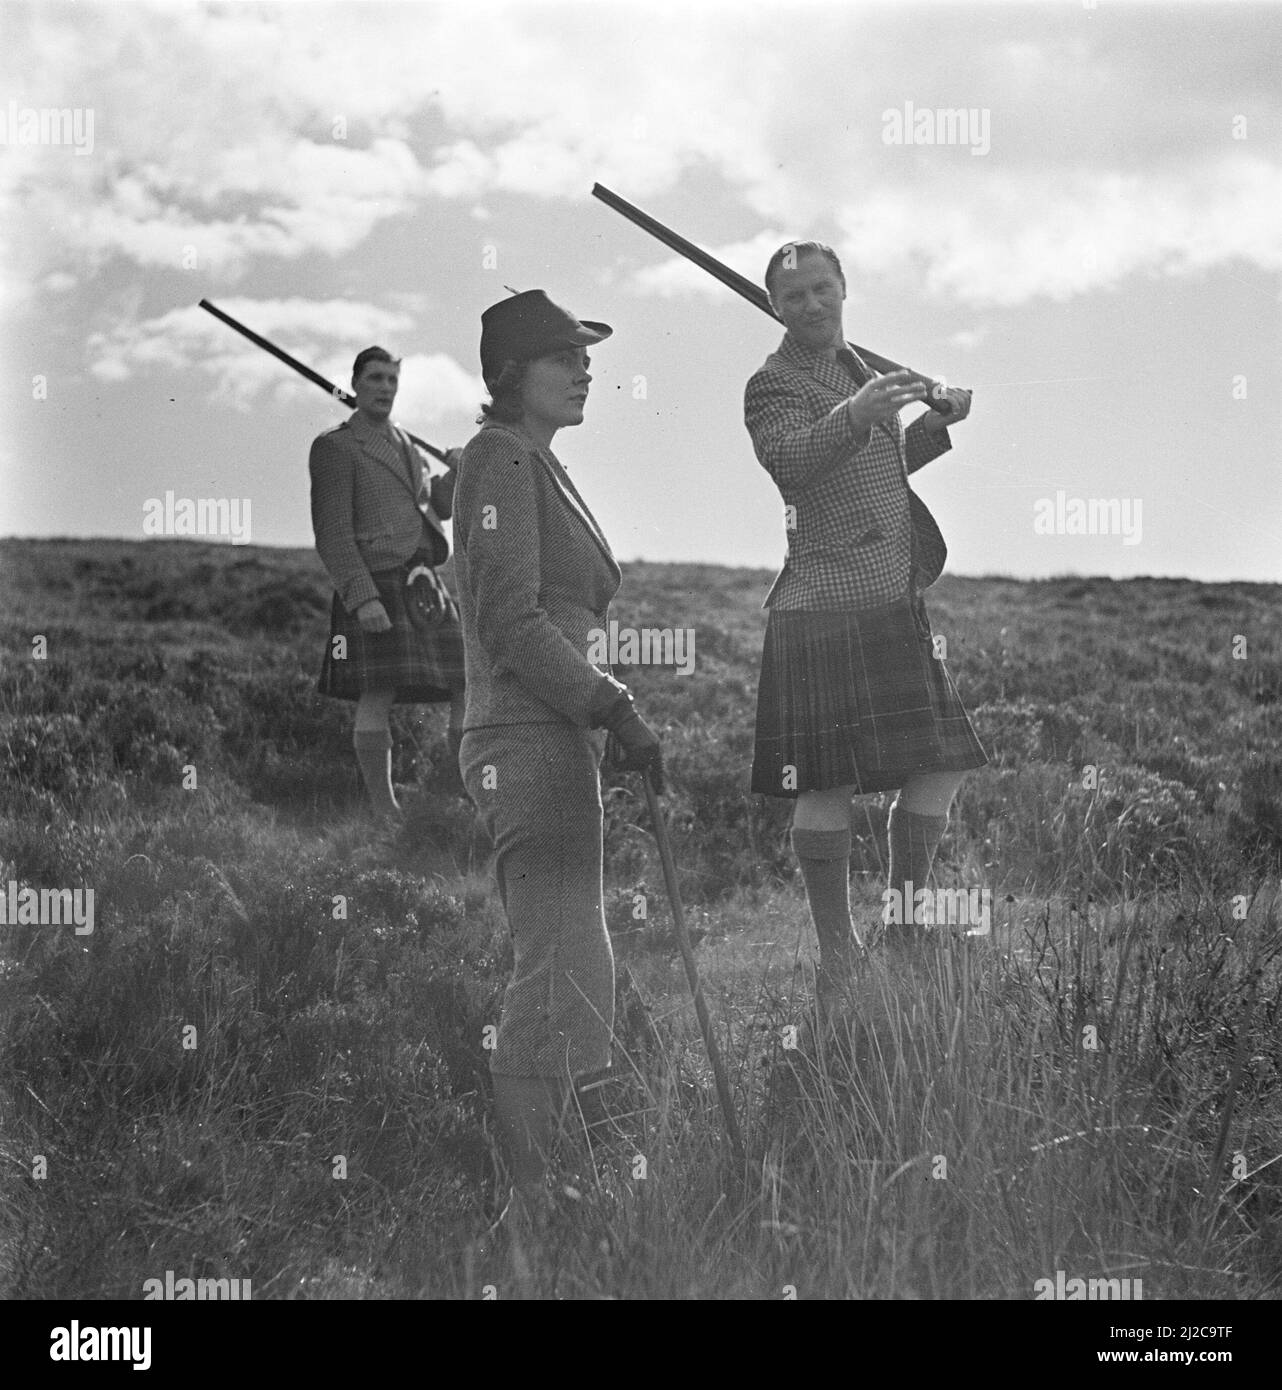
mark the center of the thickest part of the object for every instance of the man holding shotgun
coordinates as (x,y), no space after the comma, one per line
(852,698)
(394,628)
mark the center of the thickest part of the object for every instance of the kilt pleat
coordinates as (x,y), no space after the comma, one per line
(856,697)
(424,665)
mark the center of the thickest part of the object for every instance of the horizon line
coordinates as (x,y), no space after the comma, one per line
(224,544)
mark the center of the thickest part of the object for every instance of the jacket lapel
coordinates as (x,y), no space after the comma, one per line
(929,551)
(576,503)
(381,449)
(569,493)
(423,495)
(833,375)
(551,465)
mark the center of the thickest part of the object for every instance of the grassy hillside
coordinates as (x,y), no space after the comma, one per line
(228,1079)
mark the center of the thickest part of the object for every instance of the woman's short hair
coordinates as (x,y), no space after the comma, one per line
(504,406)
(787,256)
(368,355)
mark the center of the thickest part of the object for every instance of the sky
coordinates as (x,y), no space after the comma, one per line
(1094,249)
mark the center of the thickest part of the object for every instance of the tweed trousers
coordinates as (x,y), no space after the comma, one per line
(538,789)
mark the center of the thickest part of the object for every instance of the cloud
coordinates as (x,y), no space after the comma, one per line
(323,334)
(318,199)
(1006,240)
(216,130)
(434,387)
(678,276)
(968,338)
(264,133)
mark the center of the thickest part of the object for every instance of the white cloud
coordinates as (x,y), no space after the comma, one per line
(315,198)
(216,127)
(1010,238)
(433,387)
(216,130)
(461,171)
(968,338)
(1005,240)
(323,334)
(678,276)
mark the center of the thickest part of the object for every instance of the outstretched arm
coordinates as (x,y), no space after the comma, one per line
(790,444)
(927,437)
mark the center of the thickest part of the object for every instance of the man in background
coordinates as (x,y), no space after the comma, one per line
(394,628)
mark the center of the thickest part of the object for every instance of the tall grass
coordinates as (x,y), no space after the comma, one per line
(234,1076)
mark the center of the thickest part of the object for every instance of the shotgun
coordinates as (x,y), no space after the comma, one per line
(754,294)
(325,385)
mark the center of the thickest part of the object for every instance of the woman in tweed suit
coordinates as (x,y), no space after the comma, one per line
(852,697)
(377,520)
(535,578)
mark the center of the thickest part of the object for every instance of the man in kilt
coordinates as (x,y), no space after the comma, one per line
(852,698)
(394,627)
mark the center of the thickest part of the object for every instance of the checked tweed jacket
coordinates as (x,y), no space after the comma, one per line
(373,506)
(861,536)
(535,576)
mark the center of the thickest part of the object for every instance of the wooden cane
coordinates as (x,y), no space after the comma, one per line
(692,973)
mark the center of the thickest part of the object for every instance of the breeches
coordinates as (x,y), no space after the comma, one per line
(538,789)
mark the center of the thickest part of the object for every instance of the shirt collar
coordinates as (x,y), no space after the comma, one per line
(363,430)
(810,358)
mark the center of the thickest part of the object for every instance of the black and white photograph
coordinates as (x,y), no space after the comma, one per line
(641,661)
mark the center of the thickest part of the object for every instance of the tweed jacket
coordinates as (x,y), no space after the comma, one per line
(373,506)
(535,576)
(858,536)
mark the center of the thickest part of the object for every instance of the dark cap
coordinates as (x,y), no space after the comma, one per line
(529,325)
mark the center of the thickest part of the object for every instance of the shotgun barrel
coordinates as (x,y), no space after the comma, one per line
(741,285)
(324,383)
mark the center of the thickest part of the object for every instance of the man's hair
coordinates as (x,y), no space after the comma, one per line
(787,256)
(368,355)
(504,406)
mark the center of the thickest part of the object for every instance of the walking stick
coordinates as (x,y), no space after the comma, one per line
(692,973)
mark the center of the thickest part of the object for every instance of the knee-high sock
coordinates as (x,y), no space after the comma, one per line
(374,755)
(824,856)
(914,838)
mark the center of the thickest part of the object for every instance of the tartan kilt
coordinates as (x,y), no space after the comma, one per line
(856,697)
(423,664)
